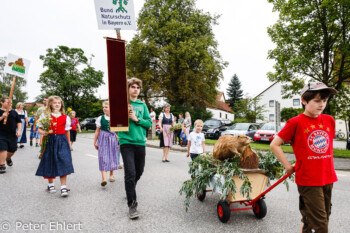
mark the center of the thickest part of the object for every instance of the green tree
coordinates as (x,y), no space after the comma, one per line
(5,85)
(234,91)
(175,53)
(248,110)
(312,40)
(287,113)
(341,105)
(69,75)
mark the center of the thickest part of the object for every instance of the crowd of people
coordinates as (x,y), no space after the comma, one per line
(314,185)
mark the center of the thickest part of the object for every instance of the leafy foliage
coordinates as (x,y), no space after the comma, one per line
(248,110)
(5,85)
(288,113)
(234,91)
(175,53)
(70,76)
(205,167)
(312,42)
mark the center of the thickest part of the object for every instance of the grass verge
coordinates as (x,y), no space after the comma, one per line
(338,153)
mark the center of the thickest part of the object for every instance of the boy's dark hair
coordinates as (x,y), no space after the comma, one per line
(3,99)
(309,95)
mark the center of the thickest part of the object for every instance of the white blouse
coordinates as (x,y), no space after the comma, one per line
(22,113)
(98,120)
(68,120)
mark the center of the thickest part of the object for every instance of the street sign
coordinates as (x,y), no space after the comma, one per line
(115,14)
(17,66)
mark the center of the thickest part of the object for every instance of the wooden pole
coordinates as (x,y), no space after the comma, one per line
(10,98)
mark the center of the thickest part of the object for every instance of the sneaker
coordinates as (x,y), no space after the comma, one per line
(31,143)
(9,162)
(51,189)
(133,210)
(21,146)
(167,161)
(2,168)
(64,192)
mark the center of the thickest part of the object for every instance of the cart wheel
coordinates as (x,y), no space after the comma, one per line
(201,197)
(224,211)
(260,209)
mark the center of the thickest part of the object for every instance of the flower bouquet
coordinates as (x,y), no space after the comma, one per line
(175,127)
(45,121)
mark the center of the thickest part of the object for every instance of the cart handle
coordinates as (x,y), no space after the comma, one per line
(271,187)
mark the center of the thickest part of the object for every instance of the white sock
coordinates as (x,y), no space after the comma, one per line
(63,186)
(51,184)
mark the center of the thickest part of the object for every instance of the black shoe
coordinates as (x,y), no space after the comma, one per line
(51,189)
(9,162)
(133,210)
(21,146)
(163,161)
(167,160)
(2,168)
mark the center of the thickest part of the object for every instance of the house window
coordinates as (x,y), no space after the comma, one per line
(296,102)
(272,117)
(220,114)
(272,103)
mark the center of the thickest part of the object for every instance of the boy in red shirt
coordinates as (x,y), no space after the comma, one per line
(311,135)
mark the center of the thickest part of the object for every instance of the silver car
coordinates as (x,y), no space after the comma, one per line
(248,129)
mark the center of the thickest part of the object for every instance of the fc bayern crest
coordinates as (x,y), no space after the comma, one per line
(318,141)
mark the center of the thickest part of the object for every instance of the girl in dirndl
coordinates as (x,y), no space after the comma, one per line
(106,143)
(56,159)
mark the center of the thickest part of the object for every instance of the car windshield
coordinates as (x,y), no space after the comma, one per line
(271,126)
(212,123)
(239,126)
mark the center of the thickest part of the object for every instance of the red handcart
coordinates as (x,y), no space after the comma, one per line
(258,181)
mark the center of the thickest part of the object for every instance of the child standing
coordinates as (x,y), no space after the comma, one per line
(73,131)
(196,141)
(106,143)
(311,135)
(34,131)
(56,159)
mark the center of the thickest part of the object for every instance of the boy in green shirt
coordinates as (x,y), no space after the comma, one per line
(133,144)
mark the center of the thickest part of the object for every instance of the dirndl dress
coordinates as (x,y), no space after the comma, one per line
(57,158)
(107,151)
(23,137)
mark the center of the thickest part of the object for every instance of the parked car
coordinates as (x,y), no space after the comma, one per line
(248,129)
(213,127)
(267,132)
(88,123)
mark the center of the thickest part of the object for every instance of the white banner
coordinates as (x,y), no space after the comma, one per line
(114,14)
(17,66)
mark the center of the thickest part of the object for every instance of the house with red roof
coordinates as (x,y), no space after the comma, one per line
(220,109)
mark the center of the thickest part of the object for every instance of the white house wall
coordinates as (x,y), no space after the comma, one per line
(274,93)
(224,114)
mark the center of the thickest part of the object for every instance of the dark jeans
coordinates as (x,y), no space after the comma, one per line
(177,136)
(134,163)
(193,156)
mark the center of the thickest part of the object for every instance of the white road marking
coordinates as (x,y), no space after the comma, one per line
(90,155)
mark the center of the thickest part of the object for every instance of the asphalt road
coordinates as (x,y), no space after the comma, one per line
(27,207)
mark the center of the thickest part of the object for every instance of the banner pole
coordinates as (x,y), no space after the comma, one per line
(10,98)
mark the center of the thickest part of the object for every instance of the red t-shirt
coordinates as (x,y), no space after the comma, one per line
(74,124)
(312,142)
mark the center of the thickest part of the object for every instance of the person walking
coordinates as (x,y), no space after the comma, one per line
(56,159)
(133,144)
(187,124)
(24,121)
(166,120)
(75,126)
(8,134)
(177,133)
(106,142)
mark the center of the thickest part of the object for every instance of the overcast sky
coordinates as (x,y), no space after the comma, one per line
(29,28)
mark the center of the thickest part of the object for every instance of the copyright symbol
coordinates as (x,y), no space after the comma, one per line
(5,226)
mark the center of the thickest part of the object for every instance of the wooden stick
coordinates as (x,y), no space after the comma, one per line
(10,98)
